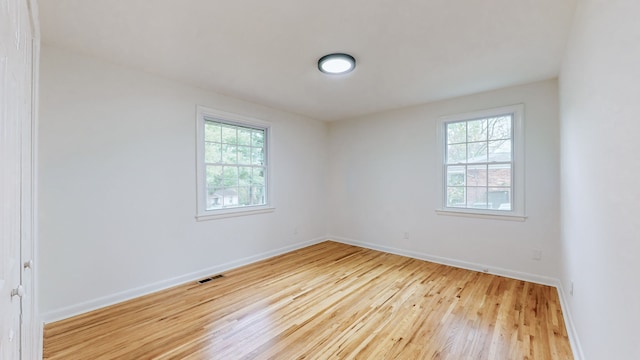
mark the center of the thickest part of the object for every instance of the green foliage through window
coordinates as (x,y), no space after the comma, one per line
(235,163)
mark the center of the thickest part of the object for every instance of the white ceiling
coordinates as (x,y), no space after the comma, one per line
(266,51)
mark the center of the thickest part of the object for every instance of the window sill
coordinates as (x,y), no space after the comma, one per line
(478,215)
(222,214)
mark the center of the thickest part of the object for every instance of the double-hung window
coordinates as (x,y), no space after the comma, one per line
(482,169)
(233,167)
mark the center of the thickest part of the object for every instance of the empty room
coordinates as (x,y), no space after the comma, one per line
(320,180)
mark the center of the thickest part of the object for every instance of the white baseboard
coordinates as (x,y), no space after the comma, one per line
(40,341)
(77,309)
(538,279)
(569,324)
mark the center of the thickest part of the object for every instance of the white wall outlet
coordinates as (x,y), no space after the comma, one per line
(295,230)
(406,235)
(571,288)
(536,254)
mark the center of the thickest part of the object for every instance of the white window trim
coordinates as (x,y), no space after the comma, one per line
(202,214)
(518,182)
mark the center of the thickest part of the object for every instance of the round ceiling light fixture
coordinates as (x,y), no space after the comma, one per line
(336,64)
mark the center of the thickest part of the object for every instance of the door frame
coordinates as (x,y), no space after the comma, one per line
(31,331)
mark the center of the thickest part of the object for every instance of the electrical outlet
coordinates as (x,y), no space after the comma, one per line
(295,230)
(536,254)
(571,288)
(406,235)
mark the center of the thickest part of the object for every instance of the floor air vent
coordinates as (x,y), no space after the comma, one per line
(210,278)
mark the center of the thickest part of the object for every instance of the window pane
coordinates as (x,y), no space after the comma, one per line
(244,155)
(244,136)
(244,196)
(455,175)
(500,150)
(478,163)
(257,195)
(214,198)
(234,164)
(229,135)
(229,196)
(477,152)
(230,176)
(500,175)
(257,156)
(500,198)
(477,197)
(456,153)
(477,130)
(258,177)
(257,138)
(500,128)
(212,131)
(456,197)
(244,176)
(212,152)
(477,175)
(229,154)
(214,176)
(457,132)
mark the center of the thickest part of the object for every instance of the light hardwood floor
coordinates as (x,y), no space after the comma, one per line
(327,301)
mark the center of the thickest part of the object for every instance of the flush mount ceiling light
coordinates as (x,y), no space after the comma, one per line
(336,64)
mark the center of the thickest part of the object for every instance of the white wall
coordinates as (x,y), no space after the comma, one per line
(600,107)
(118,189)
(383,183)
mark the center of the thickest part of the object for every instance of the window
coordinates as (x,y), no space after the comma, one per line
(482,163)
(233,166)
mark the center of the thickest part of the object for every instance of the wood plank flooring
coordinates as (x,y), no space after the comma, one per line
(327,301)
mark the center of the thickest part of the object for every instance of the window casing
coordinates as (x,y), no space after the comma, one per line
(482,163)
(232,165)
